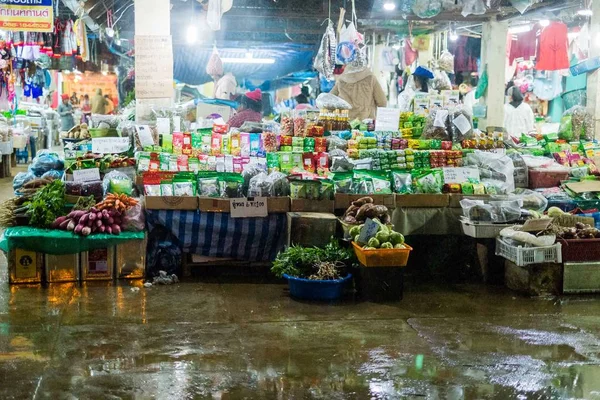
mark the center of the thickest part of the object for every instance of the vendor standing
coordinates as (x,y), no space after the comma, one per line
(518,115)
(360,88)
(422,76)
(250,109)
(65,111)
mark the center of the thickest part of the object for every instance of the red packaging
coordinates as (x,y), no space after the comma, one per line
(182,163)
(320,142)
(178,142)
(222,129)
(187,143)
(446,145)
(154,162)
(285,140)
(403,143)
(308,162)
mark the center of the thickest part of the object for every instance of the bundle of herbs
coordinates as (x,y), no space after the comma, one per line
(315,263)
(46,205)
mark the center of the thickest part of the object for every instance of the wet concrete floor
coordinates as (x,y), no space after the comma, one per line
(201,340)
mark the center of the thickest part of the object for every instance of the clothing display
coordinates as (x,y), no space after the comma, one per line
(548,85)
(522,45)
(466,51)
(553,53)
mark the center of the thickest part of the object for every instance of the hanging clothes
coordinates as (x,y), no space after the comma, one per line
(81,40)
(410,54)
(466,51)
(578,82)
(524,46)
(553,54)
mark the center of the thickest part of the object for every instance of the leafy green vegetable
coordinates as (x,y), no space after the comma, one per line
(303,262)
(47,204)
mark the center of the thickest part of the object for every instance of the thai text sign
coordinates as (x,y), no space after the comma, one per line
(26,15)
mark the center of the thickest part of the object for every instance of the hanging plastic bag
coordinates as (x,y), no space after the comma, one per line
(521,5)
(475,7)
(482,84)
(441,81)
(427,8)
(215,65)
(325,59)
(214,14)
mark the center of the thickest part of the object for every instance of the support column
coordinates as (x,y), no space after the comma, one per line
(493,55)
(593,78)
(153,18)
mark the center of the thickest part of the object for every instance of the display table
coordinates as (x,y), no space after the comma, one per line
(215,234)
(57,242)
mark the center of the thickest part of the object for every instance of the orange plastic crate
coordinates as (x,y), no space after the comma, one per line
(382,257)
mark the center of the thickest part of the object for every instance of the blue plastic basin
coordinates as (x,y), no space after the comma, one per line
(309,289)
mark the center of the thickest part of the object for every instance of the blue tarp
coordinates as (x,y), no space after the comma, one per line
(190,63)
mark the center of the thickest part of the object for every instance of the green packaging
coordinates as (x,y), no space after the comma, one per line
(167,143)
(231,185)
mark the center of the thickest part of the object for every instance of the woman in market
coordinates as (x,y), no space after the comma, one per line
(422,76)
(99,103)
(65,111)
(86,109)
(360,88)
(250,109)
(518,116)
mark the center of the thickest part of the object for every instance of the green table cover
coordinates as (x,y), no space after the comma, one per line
(57,242)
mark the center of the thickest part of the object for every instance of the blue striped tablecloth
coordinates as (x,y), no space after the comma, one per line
(218,235)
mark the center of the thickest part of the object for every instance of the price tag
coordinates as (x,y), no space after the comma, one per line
(460,175)
(248,207)
(145,134)
(388,119)
(369,230)
(111,145)
(86,175)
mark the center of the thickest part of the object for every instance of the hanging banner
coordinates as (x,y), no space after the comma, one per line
(26,15)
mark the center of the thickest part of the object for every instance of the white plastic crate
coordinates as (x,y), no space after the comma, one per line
(482,230)
(522,256)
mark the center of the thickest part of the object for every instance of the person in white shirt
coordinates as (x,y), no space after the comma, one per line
(518,115)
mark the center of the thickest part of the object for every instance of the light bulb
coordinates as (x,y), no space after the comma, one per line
(389,6)
(453,36)
(585,12)
(544,23)
(192,34)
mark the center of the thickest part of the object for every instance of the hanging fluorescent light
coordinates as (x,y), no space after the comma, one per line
(519,29)
(453,36)
(586,12)
(544,23)
(192,34)
(389,6)
(247,60)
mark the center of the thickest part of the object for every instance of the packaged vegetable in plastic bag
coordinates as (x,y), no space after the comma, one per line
(565,130)
(530,200)
(459,122)
(402,182)
(208,184)
(118,183)
(440,81)
(184,184)
(429,181)
(53,174)
(258,186)
(342,182)
(436,125)
(380,180)
(231,185)
(332,102)
(475,7)
(279,186)
(335,142)
(446,62)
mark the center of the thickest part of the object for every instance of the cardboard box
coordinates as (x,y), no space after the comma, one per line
(213,204)
(310,229)
(171,203)
(318,206)
(278,204)
(454,201)
(343,201)
(422,200)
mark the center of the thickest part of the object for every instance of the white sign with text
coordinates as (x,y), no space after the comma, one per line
(86,175)
(248,207)
(111,145)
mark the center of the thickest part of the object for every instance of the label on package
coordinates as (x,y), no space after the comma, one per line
(248,207)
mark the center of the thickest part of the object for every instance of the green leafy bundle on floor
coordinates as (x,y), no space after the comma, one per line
(313,262)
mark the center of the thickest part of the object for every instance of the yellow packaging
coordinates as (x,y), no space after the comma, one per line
(25,266)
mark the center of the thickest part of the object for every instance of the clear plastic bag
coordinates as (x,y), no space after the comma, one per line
(134,219)
(496,169)
(582,123)
(258,186)
(530,200)
(332,102)
(405,99)
(278,184)
(441,81)
(325,59)
(215,64)
(460,124)
(436,125)
(117,182)
(101,121)
(493,211)
(250,171)
(427,8)
(475,7)
(336,142)
(22,178)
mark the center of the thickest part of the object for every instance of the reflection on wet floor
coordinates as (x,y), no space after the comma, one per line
(251,341)
(233,341)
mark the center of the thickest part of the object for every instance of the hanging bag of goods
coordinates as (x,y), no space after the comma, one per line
(215,65)
(325,59)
